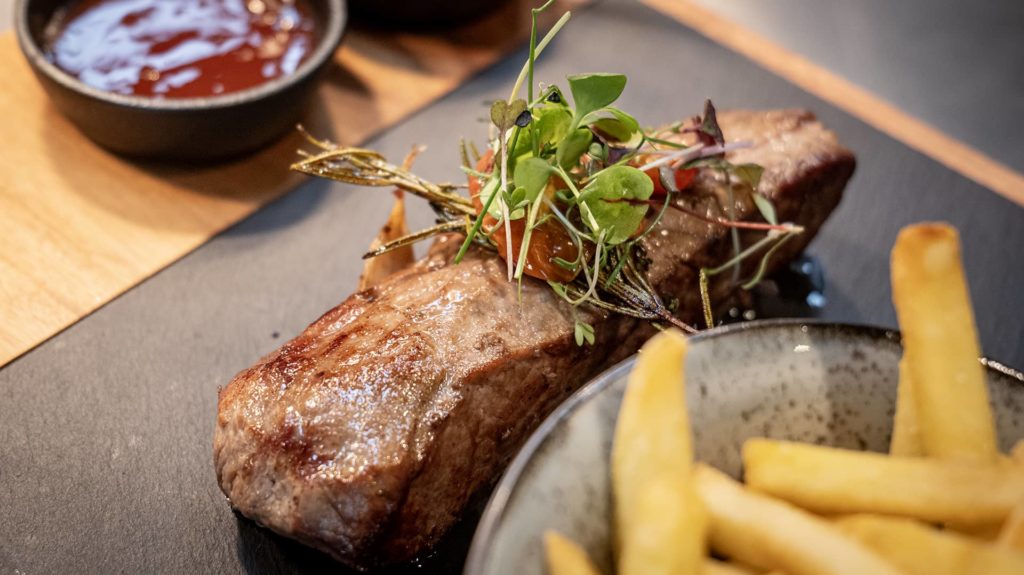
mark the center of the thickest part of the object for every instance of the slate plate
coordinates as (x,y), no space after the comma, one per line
(106,430)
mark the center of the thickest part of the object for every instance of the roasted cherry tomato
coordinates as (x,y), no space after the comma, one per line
(548,241)
(683,177)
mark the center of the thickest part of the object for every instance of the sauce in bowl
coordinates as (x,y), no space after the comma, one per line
(181,48)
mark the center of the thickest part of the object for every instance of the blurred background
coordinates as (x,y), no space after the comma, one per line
(957,65)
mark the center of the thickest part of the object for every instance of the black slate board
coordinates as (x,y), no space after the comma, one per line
(105,430)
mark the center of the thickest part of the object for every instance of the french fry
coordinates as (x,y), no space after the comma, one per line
(667,534)
(564,557)
(941,344)
(772,534)
(1017,453)
(652,460)
(1012,533)
(906,433)
(829,480)
(923,550)
(715,567)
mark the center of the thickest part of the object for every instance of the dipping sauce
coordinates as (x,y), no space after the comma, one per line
(181,48)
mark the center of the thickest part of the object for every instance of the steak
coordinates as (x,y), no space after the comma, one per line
(367,434)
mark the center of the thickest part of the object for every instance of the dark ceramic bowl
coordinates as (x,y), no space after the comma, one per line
(186,128)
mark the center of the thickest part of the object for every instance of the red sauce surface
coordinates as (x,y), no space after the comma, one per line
(181,48)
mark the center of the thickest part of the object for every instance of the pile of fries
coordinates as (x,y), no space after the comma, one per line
(943,501)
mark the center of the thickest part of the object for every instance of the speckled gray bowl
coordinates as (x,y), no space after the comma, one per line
(822,383)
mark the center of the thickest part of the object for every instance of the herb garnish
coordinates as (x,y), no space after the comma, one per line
(565,192)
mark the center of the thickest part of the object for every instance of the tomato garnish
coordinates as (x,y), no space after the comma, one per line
(548,241)
(683,179)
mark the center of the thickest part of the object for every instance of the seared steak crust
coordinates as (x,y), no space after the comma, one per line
(366,435)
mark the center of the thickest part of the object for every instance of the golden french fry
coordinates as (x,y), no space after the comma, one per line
(941,344)
(830,480)
(772,534)
(666,536)
(566,557)
(652,459)
(906,434)
(716,567)
(1012,533)
(919,549)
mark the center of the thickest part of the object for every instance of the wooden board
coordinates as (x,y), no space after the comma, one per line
(79,226)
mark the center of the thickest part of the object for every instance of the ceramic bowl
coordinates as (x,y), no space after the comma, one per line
(187,128)
(820,383)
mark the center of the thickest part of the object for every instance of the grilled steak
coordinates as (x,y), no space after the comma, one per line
(366,435)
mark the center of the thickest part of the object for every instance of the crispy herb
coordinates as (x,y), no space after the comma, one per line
(578,169)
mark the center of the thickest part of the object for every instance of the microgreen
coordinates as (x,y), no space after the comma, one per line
(578,169)
(574,145)
(584,333)
(532,176)
(604,195)
(591,92)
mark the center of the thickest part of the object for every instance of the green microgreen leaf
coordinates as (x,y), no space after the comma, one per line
(616,125)
(565,264)
(532,176)
(766,208)
(558,288)
(573,146)
(592,92)
(552,124)
(584,332)
(516,202)
(605,195)
(487,196)
(505,114)
(749,174)
(623,135)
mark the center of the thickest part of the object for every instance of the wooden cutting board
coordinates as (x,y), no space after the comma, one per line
(79,226)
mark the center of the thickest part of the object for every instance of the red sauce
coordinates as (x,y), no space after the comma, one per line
(181,48)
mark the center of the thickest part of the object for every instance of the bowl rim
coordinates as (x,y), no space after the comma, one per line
(497,505)
(333,32)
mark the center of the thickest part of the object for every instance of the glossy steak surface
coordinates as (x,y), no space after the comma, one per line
(367,435)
